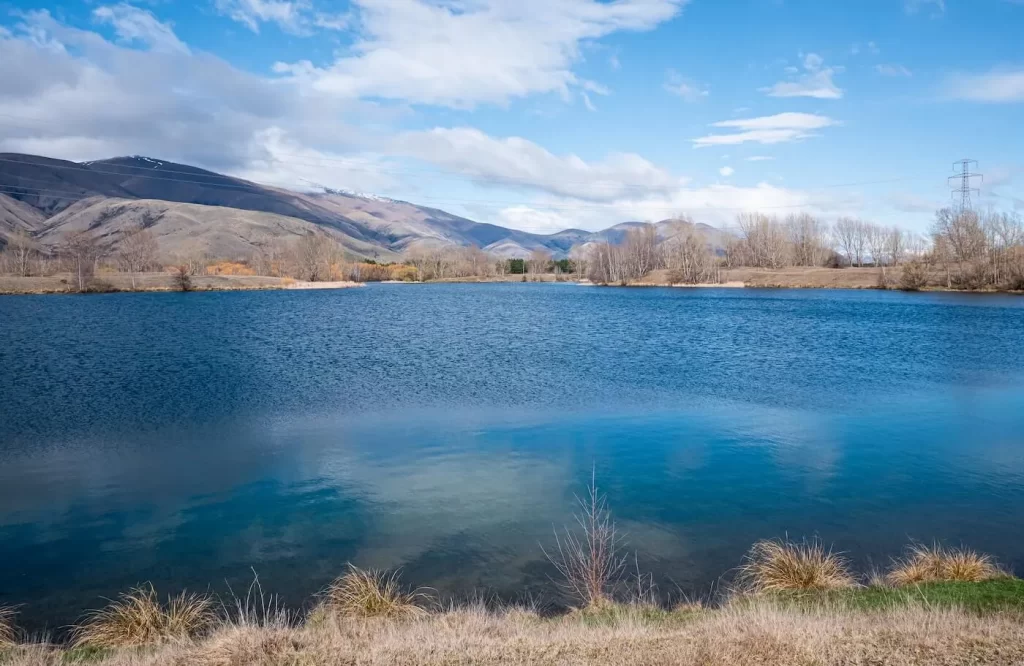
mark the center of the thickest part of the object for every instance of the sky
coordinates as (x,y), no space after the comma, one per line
(540,115)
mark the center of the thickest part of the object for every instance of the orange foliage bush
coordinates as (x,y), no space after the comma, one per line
(367,272)
(229,268)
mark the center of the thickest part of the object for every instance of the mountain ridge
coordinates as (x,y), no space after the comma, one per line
(191,209)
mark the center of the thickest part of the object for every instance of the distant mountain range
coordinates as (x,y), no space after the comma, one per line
(193,210)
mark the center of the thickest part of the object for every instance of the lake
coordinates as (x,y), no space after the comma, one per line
(190,439)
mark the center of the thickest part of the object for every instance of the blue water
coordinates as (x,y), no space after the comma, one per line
(187,439)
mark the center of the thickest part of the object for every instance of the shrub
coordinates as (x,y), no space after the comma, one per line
(182,277)
(914,276)
(369,593)
(777,565)
(229,268)
(136,618)
(923,564)
(591,563)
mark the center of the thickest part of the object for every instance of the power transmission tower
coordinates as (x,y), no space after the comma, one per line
(961,184)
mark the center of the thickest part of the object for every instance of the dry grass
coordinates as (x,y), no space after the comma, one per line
(368,593)
(778,565)
(924,564)
(137,618)
(8,632)
(757,634)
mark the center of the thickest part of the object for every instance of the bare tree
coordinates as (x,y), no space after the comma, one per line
(961,238)
(809,240)
(81,251)
(591,563)
(20,252)
(137,251)
(317,257)
(896,245)
(579,255)
(854,237)
(764,239)
(539,261)
(1005,238)
(690,260)
(640,251)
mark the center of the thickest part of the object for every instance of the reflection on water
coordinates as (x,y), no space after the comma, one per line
(183,440)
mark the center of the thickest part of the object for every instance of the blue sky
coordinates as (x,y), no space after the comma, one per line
(540,114)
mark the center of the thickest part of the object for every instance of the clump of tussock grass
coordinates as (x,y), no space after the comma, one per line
(371,593)
(8,632)
(780,565)
(936,563)
(137,618)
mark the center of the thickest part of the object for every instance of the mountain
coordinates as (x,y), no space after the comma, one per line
(18,218)
(190,209)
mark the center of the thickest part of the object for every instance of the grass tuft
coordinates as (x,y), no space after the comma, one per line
(8,632)
(369,593)
(776,565)
(137,618)
(924,564)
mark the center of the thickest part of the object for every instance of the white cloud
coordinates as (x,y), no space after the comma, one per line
(290,16)
(134,25)
(938,7)
(760,158)
(767,130)
(893,70)
(474,51)
(994,86)
(816,81)
(85,97)
(682,87)
(519,162)
(726,171)
(715,204)
(70,93)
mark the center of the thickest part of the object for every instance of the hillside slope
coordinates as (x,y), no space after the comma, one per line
(18,217)
(184,229)
(195,210)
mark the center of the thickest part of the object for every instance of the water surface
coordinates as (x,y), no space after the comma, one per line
(186,439)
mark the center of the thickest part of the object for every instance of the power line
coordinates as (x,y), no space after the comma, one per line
(962,194)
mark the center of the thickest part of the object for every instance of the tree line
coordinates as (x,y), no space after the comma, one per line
(964,250)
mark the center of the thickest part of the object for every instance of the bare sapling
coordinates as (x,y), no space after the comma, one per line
(589,563)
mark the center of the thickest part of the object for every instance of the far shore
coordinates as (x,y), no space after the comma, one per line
(799,277)
(732,278)
(154,282)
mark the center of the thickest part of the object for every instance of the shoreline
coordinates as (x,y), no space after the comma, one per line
(740,278)
(62,284)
